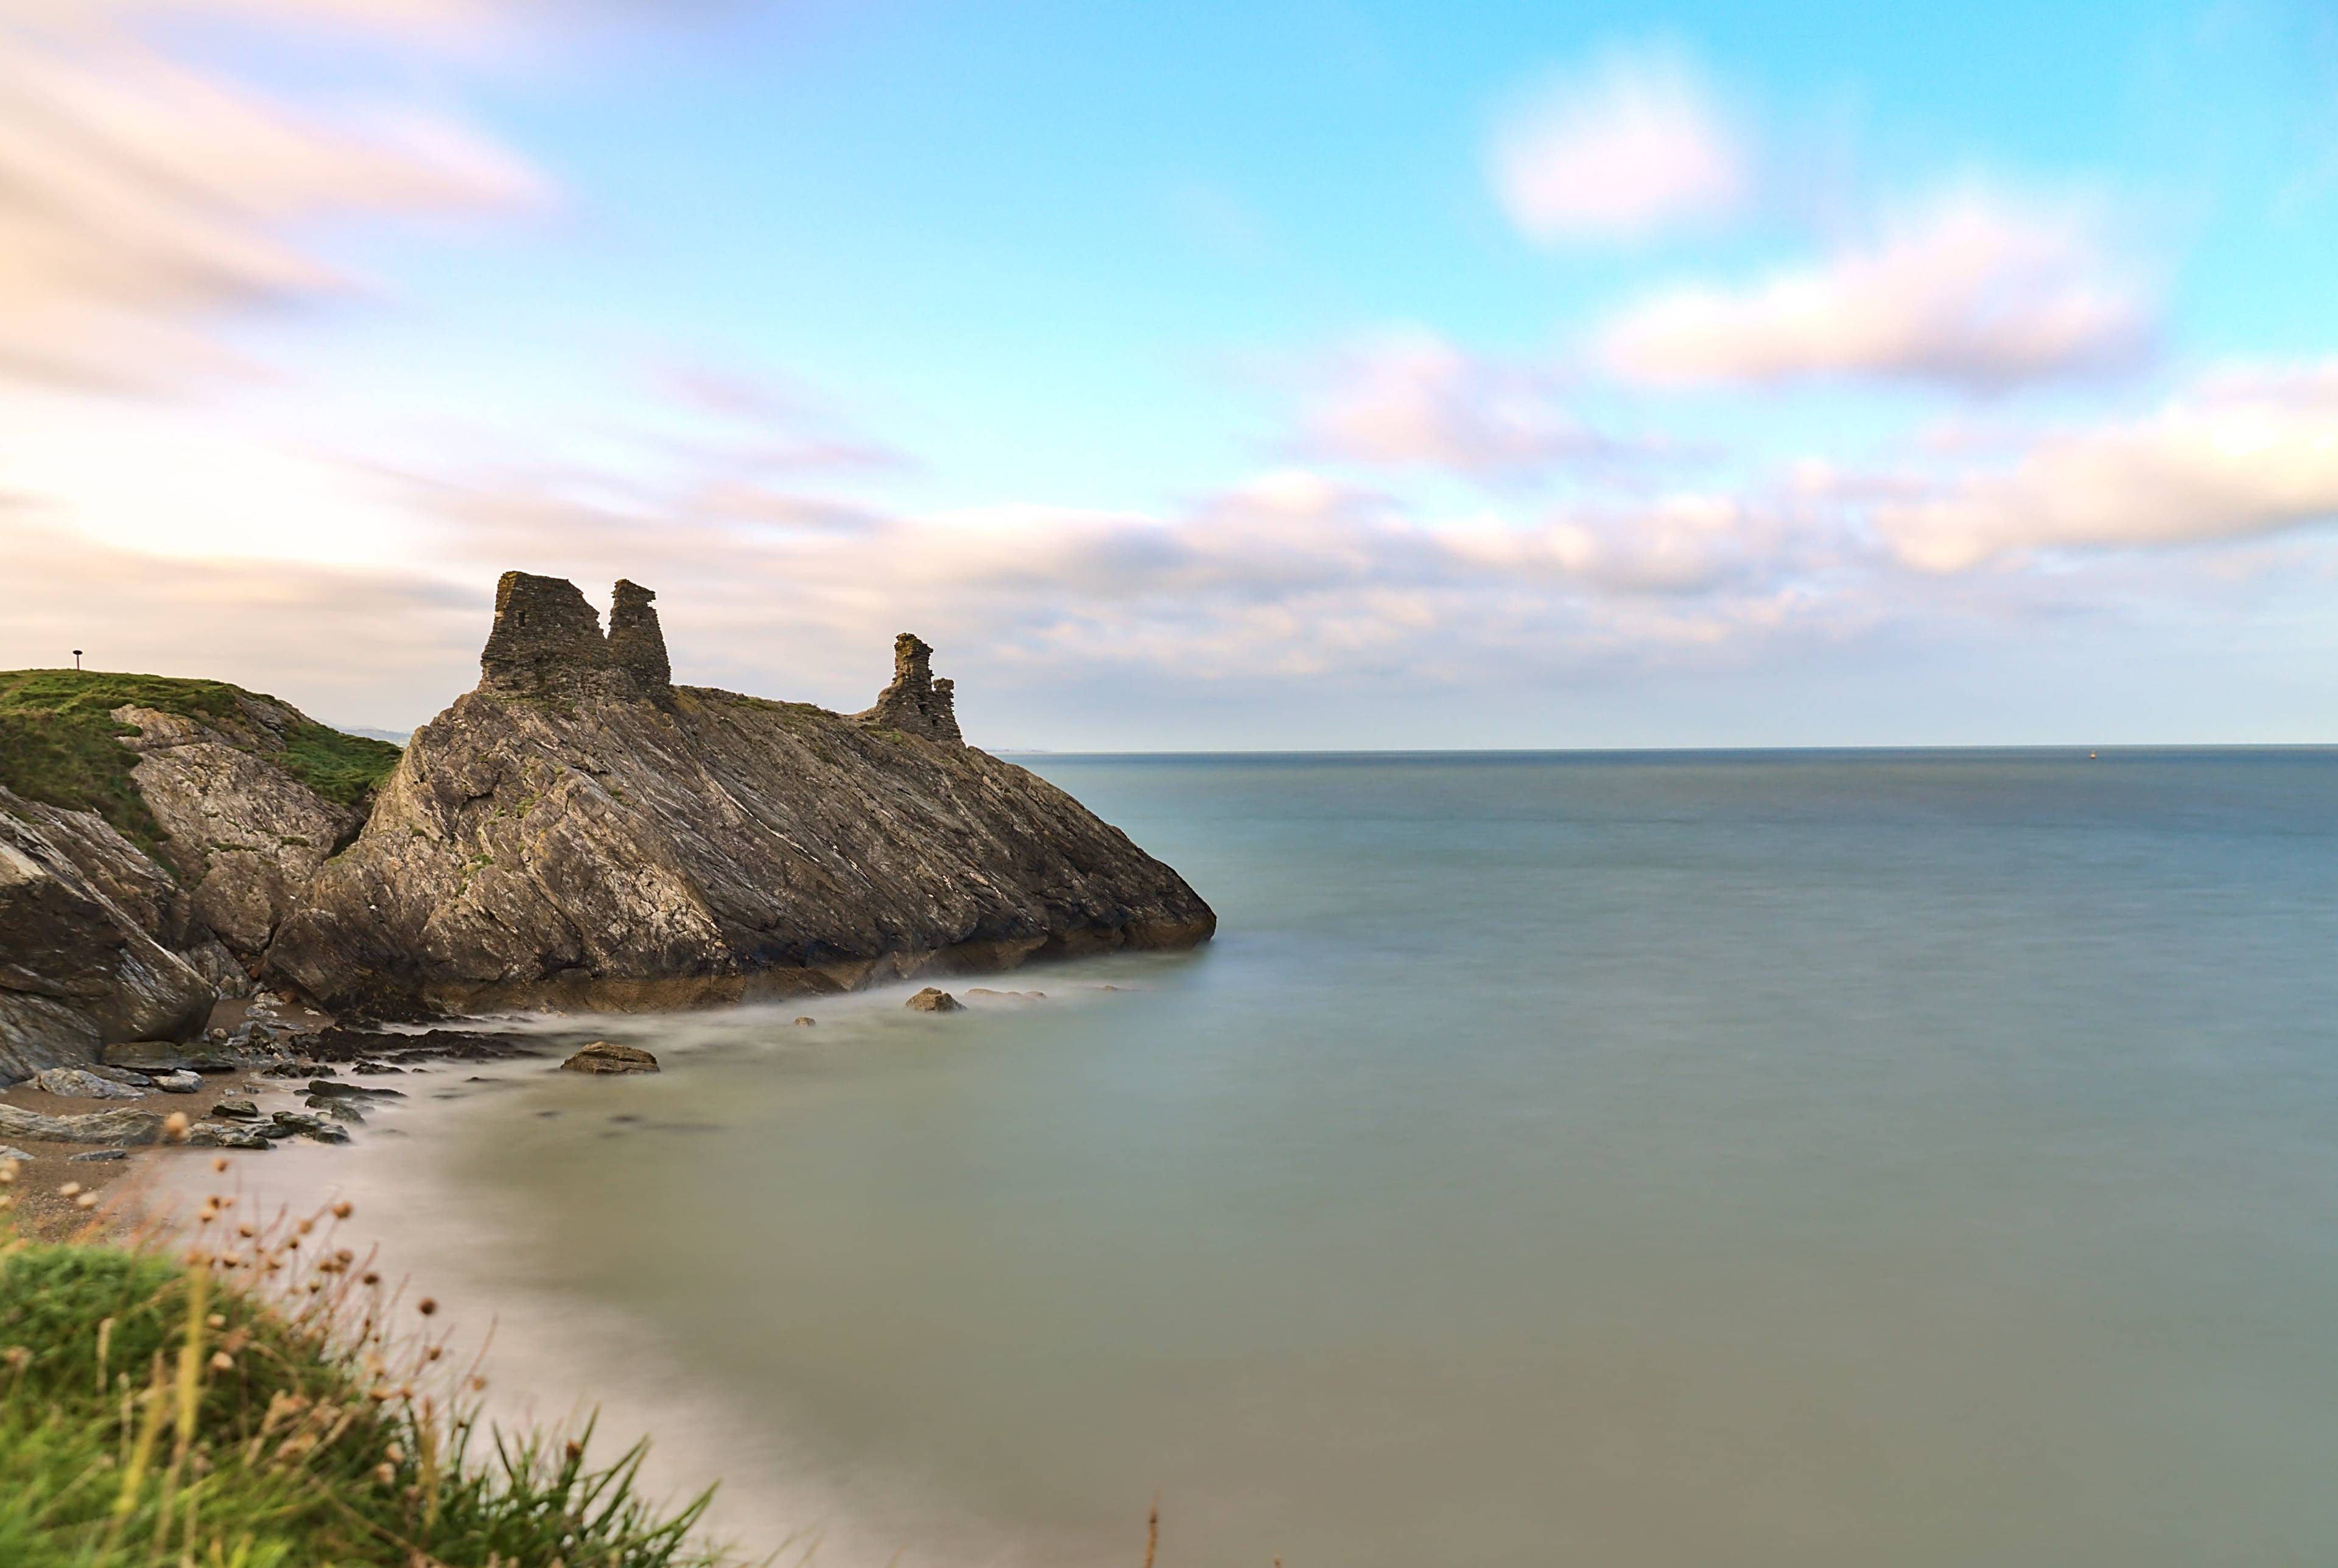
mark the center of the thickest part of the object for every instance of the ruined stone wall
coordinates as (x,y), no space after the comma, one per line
(547,642)
(915,703)
(635,642)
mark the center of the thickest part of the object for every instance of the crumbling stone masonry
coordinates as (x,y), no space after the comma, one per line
(915,703)
(547,642)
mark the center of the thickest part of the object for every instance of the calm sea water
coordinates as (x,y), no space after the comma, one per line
(1753,1159)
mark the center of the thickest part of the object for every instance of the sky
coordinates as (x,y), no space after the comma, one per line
(1275,375)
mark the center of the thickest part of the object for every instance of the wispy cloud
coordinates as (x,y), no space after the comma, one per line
(2246,452)
(143,198)
(1976,291)
(1635,143)
(1408,398)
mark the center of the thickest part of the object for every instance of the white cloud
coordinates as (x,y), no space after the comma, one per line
(143,198)
(2245,453)
(1633,144)
(1410,398)
(1975,292)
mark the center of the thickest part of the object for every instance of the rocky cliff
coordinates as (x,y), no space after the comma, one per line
(578,831)
(154,832)
(85,920)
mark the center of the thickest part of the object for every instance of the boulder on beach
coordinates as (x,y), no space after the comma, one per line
(931,1000)
(125,1126)
(79,1084)
(603,1056)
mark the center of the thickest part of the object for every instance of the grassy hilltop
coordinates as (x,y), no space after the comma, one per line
(59,744)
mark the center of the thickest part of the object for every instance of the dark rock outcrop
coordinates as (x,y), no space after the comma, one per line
(79,968)
(578,832)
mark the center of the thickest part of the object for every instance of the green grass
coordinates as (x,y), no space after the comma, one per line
(59,745)
(270,1404)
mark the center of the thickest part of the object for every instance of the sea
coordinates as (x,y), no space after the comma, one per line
(1807,1159)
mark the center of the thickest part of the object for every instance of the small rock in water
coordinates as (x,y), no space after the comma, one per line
(931,1000)
(602,1056)
(91,1156)
(7,1153)
(338,1110)
(74,1081)
(987,995)
(328,1134)
(178,1082)
(224,1135)
(806,1022)
(239,1110)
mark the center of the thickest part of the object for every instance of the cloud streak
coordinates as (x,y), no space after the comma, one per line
(1975,292)
(1408,398)
(2245,453)
(145,200)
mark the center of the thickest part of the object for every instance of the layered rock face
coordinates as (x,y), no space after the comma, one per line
(244,834)
(80,967)
(578,832)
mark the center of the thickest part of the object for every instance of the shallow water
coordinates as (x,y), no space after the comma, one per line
(1764,1159)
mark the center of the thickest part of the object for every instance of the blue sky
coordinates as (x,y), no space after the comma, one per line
(1206,375)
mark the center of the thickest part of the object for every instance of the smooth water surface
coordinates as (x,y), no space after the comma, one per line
(1794,1159)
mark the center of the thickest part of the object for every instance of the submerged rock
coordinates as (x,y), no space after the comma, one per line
(931,1000)
(224,1135)
(601,1057)
(579,832)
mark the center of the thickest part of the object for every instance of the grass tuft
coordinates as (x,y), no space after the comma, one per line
(265,1400)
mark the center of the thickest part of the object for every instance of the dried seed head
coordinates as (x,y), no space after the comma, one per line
(219,1161)
(174,1127)
(344,1209)
(385,1474)
(216,1321)
(223,1362)
(426,1307)
(70,1190)
(87,1201)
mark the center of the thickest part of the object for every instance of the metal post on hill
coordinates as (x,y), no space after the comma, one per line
(76,658)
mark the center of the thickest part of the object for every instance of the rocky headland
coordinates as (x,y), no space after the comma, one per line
(577,833)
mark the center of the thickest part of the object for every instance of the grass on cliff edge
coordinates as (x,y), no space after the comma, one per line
(271,1404)
(59,744)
